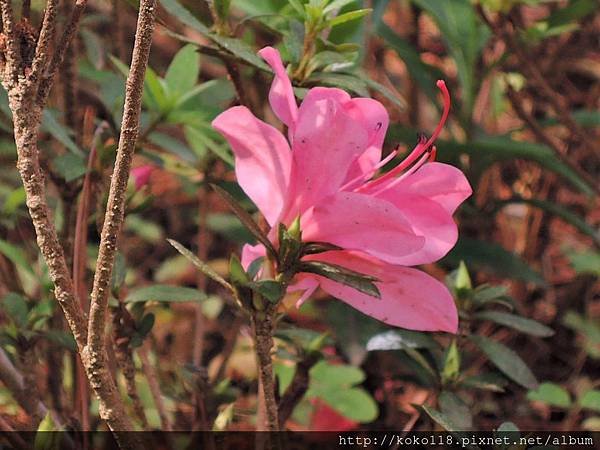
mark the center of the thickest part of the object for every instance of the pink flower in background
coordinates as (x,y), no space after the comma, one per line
(323,173)
(141,175)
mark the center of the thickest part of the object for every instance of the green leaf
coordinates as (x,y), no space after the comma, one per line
(551,394)
(344,81)
(222,10)
(237,274)
(199,140)
(234,46)
(346,17)
(270,289)
(465,37)
(588,329)
(518,323)
(361,282)
(182,73)
(16,307)
(145,325)
(61,338)
(440,418)
(484,294)
(455,410)
(174,8)
(400,340)
(16,255)
(62,134)
(331,375)
(451,364)
(165,293)
(463,279)
(492,258)
(14,201)
(230,227)
(70,166)
(204,268)
(354,403)
(245,218)
(335,384)
(486,381)
(506,360)
(585,262)
(591,400)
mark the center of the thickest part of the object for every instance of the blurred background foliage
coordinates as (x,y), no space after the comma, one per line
(525,81)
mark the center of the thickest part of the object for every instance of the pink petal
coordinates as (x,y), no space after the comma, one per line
(262,158)
(428,219)
(357,221)
(251,253)
(409,298)
(442,183)
(141,175)
(327,140)
(306,283)
(374,118)
(281,95)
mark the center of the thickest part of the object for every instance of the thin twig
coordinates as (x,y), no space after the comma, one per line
(59,54)
(12,54)
(42,50)
(94,355)
(116,198)
(263,326)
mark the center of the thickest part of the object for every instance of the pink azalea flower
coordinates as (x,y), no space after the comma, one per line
(323,173)
(141,175)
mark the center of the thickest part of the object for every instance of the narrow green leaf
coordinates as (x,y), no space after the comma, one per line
(360,282)
(486,381)
(245,218)
(518,323)
(507,361)
(204,268)
(165,293)
(346,17)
